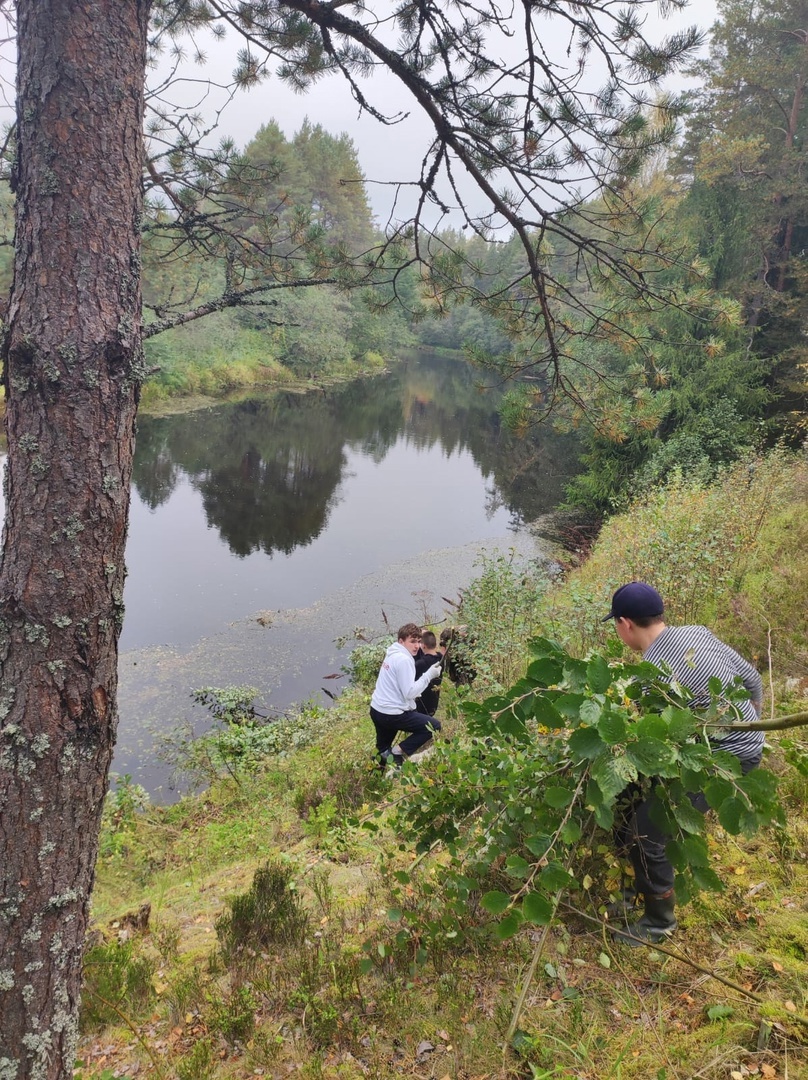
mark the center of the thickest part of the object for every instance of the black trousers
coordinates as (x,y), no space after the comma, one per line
(419,725)
(637,837)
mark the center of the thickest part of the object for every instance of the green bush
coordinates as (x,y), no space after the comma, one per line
(517,805)
(121,809)
(365,660)
(234,1015)
(116,982)
(199,1063)
(501,609)
(270,913)
(242,739)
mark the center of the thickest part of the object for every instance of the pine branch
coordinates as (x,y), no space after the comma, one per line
(243,298)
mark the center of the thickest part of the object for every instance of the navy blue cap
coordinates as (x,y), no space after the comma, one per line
(635,601)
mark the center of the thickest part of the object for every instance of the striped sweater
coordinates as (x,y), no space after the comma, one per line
(692,655)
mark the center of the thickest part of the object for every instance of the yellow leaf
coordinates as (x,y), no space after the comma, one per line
(791,1006)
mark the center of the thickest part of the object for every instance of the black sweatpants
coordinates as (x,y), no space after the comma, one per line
(418,724)
(644,842)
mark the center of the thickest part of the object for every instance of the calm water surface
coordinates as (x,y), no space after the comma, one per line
(262,530)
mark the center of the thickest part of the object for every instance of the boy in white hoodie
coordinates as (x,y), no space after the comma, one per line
(392,706)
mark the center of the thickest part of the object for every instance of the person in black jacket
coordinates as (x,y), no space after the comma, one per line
(431,653)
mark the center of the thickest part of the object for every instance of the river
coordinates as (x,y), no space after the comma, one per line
(263,530)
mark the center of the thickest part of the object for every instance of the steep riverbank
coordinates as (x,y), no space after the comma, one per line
(206,967)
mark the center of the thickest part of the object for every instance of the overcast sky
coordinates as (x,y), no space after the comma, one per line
(386,153)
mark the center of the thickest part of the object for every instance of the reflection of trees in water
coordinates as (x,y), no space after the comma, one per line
(269,470)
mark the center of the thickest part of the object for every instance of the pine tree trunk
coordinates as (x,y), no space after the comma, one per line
(73,359)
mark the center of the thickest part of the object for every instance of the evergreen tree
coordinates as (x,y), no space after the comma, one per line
(745,151)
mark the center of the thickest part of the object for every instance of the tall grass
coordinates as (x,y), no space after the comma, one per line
(729,554)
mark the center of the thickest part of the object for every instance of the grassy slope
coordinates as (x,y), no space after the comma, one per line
(594,1010)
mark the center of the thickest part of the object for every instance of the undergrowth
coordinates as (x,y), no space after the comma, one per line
(373,968)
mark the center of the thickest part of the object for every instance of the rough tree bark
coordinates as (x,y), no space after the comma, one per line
(73,361)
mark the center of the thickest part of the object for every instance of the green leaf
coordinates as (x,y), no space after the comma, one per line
(687,853)
(687,816)
(546,671)
(651,726)
(575,674)
(524,1043)
(652,757)
(681,723)
(590,712)
(558,797)
(538,845)
(569,705)
(751,821)
(728,763)
(542,646)
(554,877)
(395,914)
(612,728)
(496,902)
(720,1012)
(716,791)
(696,851)
(729,814)
(683,887)
(517,867)
(660,813)
(509,926)
(537,909)
(760,785)
(545,713)
(604,816)
(598,674)
(696,757)
(707,879)
(604,960)
(675,851)
(586,743)
(571,831)
(612,774)
(511,724)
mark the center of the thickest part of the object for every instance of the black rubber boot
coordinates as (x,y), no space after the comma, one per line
(655,925)
(624,908)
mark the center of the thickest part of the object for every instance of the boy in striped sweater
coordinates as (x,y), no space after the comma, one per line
(691,656)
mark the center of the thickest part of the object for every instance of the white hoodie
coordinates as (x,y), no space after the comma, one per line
(396,687)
